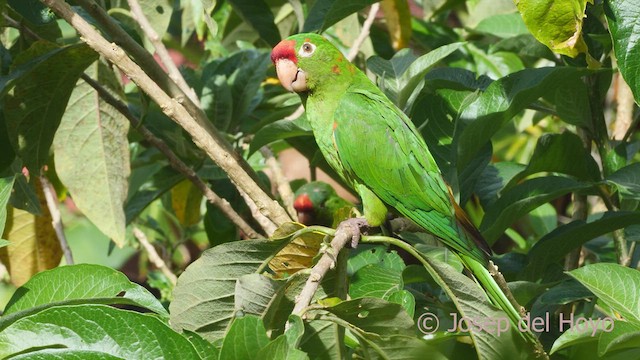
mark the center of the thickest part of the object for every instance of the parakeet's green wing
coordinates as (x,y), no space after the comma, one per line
(398,167)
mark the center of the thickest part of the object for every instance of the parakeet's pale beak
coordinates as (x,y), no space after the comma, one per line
(290,76)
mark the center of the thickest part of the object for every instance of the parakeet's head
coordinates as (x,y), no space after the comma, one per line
(306,61)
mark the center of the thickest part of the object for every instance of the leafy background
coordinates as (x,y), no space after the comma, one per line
(530,109)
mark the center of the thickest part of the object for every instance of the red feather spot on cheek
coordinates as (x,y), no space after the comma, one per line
(284,50)
(303,203)
(335,69)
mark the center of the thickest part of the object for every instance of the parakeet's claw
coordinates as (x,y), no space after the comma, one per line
(356,226)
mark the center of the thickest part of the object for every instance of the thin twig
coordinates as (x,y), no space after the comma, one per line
(161,50)
(154,257)
(282,183)
(265,223)
(56,220)
(174,160)
(366,26)
(179,107)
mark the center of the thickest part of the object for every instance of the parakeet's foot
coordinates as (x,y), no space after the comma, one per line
(356,226)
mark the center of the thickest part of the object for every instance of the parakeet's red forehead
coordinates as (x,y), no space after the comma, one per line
(286,49)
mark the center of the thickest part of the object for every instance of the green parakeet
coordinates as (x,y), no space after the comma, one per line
(376,149)
(317,203)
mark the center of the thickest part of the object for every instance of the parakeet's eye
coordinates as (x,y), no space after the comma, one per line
(307,49)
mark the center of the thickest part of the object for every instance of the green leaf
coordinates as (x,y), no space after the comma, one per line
(622,18)
(621,335)
(561,153)
(279,130)
(80,282)
(66,354)
(375,316)
(375,281)
(258,14)
(493,179)
(325,13)
(100,328)
(217,101)
(245,83)
(35,104)
(616,285)
(557,24)
(256,293)
(205,349)
(244,339)
(33,11)
(6,185)
(404,73)
(208,285)
(571,338)
(158,12)
(159,181)
(502,25)
(285,346)
(521,199)
(92,154)
(627,181)
(555,245)
(501,101)
(472,303)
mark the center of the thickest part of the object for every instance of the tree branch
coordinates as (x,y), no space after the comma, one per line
(154,257)
(56,220)
(366,27)
(193,121)
(161,50)
(282,184)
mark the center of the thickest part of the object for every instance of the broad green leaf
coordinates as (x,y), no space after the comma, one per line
(414,75)
(245,338)
(285,346)
(521,199)
(159,181)
(322,340)
(217,101)
(622,18)
(92,155)
(493,180)
(325,13)
(375,281)
(501,101)
(205,349)
(281,129)
(245,83)
(66,354)
(555,245)
(258,14)
(100,328)
(33,246)
(158,12)
(255,293)
(621,335)
(208,285)
(82,281)
(398,19)
(6,185)
(375,316)
(471,302)
(571,338)
(627,181)
(404,73)
(615,285)
(561,153)
(557,24)
(35,104)
(404,298)
(502,25)
(494,65)
(572,102)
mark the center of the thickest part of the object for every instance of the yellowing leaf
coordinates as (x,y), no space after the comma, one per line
(298,254)
(33,244)
(398,17)
(185,201)
(557,24)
